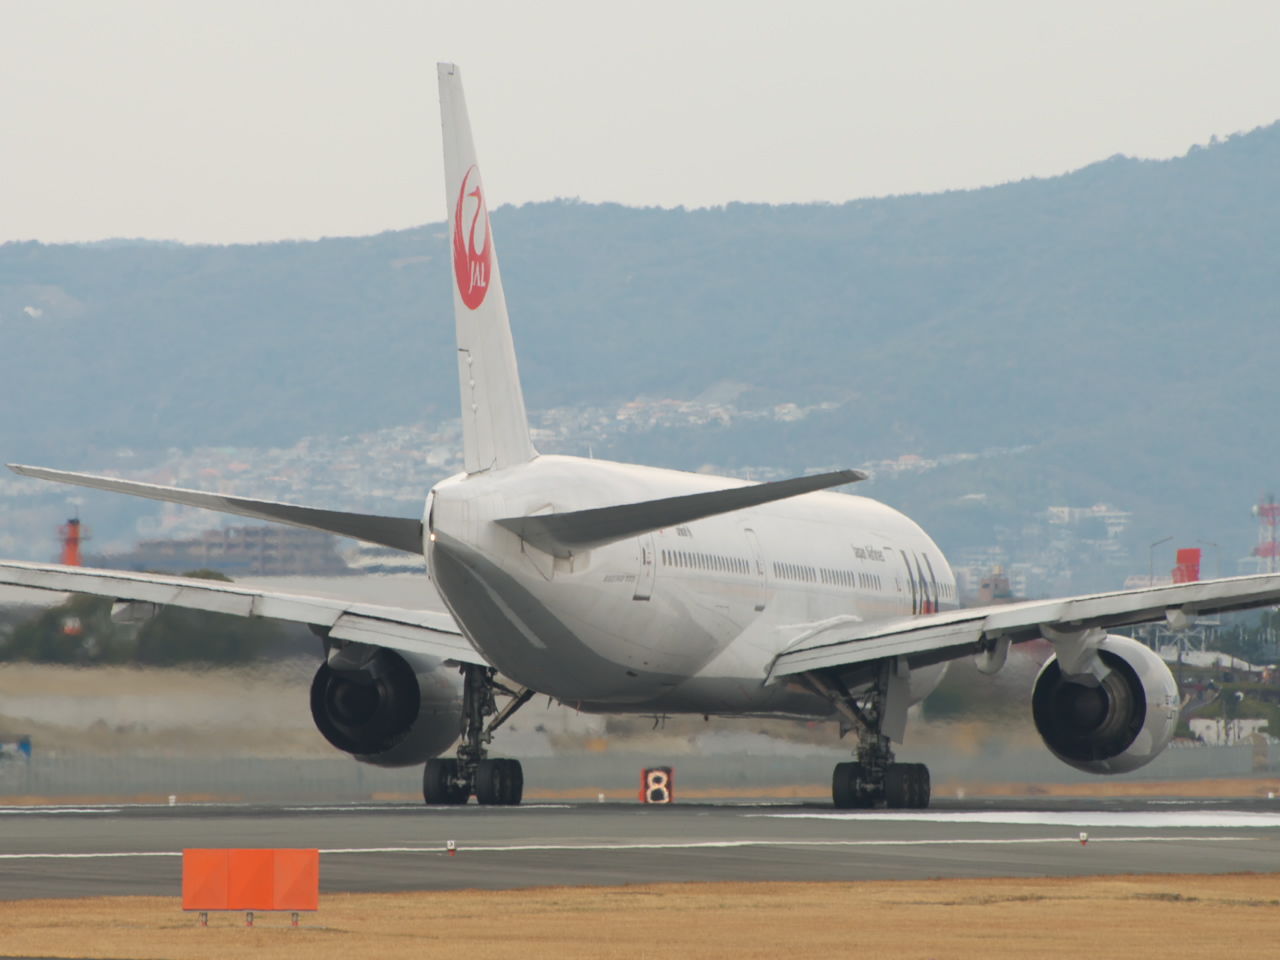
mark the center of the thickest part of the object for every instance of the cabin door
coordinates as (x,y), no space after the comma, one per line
(648,568)
(757,559)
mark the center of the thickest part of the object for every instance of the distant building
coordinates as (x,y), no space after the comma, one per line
(237,551)
(1217,731)
(1114,521)
(995,588)
(382,560)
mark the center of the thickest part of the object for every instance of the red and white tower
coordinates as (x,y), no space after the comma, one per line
(71,535)
(1268,513)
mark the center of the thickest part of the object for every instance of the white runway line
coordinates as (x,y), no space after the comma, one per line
(729,844)
(415,807)
(1155,820)
(4,811)
(130,854)
(317,808)
(687,845)
(1186,803)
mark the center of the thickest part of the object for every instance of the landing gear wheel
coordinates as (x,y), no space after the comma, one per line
(515,783)
(440,783)
(875,778)
(924,786)
(499,782)
(906,786)
(847,787)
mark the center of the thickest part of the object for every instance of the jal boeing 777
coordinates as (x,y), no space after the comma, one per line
(626,589)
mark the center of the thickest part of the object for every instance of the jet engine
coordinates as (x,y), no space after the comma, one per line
(1112,724)
(387,708)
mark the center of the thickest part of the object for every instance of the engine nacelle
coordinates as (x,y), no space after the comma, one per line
(1113,725)
(387,708)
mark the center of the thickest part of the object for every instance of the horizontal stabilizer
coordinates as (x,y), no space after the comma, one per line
(399,533)
(564,534)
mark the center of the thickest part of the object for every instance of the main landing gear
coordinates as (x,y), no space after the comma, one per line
(875,777)
(494,782)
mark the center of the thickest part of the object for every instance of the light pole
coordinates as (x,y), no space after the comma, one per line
(1151,560)
(1217,557)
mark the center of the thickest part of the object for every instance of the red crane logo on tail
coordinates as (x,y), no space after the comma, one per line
(472,248)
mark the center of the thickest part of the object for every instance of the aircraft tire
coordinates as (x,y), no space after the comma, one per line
(515,783)
(438,783)
(846,783)
(499,782)
(906,786)
(924,787)
(896,786)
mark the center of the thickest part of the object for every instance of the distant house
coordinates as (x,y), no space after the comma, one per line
(237,551)
(1217,731)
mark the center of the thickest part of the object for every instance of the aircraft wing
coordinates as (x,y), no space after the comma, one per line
(936,637)
(414,631)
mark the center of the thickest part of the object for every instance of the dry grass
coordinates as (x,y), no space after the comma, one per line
(1124,917)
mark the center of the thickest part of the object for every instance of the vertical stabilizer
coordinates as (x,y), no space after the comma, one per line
(494,425)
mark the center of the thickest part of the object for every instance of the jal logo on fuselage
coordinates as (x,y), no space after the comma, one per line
(472,251)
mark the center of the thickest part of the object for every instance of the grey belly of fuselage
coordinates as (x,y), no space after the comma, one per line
(526,641)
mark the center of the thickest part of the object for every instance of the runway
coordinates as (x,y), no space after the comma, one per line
(110,850)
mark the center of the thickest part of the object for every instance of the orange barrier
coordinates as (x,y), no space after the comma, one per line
(250,880)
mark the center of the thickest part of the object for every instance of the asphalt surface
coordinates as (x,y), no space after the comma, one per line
(109,850)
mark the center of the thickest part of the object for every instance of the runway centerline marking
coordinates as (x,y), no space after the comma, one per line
(689,845)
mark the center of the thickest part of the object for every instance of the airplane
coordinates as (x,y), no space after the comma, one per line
(617,588)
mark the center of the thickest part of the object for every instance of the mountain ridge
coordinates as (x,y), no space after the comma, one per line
(1117,320)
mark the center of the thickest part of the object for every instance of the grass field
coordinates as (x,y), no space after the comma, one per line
(1123,917)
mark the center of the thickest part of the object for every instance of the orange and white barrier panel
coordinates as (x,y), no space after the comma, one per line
(250,880)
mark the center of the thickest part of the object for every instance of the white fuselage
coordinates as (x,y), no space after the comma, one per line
(685,619)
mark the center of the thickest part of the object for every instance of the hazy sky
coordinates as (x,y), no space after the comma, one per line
(234,121)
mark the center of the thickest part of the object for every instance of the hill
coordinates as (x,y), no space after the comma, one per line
(1116,326)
